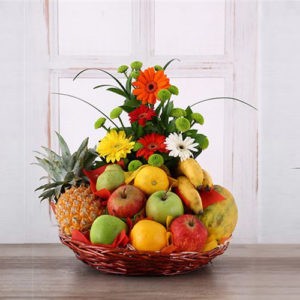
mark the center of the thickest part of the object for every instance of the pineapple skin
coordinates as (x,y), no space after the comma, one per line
(77,208)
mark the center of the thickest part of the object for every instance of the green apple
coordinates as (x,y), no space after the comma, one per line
(105,229)
(110,180)
(162,204)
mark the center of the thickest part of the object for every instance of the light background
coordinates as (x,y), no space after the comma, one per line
(24,89)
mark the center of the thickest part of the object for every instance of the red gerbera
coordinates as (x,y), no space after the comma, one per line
(148,84)
(152,143)
(142,114)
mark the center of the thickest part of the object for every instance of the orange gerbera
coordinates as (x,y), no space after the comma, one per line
(148,84)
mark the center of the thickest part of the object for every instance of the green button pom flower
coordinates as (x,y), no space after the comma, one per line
(134,165)
(173,90)
(136,65)
(156,160)
(182,124)
(135,74)
(198,118)
(99,123)
(177,112)
(163,95)
(116,112)
(122,69)
(158,68)
(137,146)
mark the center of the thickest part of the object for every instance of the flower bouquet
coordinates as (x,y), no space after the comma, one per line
(139,202)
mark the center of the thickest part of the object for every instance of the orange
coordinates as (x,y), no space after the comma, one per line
(148,235)
(151,179)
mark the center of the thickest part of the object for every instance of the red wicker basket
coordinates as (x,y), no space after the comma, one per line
(132,262)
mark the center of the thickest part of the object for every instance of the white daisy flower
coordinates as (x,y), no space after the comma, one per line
(180,147)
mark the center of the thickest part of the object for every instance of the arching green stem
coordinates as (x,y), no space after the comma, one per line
(219,98)
(109,74)
(88,103)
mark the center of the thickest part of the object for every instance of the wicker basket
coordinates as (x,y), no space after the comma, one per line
(132,262)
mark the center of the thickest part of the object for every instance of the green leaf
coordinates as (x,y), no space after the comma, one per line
(109,74)
(49,168)
(117,91)
(83,147)
(47,194)
(65,151)
(102,85)
(171,127)
(69,177)
(49,185)
(51,154)
(189,112)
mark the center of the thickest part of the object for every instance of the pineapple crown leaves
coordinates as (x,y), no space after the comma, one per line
(64,170)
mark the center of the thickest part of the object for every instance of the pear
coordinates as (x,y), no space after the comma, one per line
(113,167)
(110,180)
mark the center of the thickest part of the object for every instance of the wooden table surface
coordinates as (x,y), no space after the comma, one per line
(51,271)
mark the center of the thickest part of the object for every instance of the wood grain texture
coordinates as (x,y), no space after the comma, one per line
(243,272)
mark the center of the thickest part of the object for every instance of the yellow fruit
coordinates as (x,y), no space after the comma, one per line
(210,245)
(207,183)
(192,170)
(77,208)
(148,235)
(189,195)
(151,179)
(220,218)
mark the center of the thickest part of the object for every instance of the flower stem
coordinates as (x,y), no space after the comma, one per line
(88,103)
(121,123)
(219,98)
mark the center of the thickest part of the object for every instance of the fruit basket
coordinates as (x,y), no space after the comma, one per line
(132,262)
(139,202)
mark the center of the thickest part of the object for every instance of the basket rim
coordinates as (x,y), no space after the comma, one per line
(128,250)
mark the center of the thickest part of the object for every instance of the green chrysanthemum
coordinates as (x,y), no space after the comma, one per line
(135,74)
(173,90)
(99,123)
(177,112)
(136,65)
(116,112)
(198,118)
(158,68)
(164,95)
(122,69)
(134,165)
(182,124)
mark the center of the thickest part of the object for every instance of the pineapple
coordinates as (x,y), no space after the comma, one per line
(76,207)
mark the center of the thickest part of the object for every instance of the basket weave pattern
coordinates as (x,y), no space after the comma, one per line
(132,262)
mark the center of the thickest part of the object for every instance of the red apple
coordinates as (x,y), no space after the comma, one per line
(126,201)
(188,233)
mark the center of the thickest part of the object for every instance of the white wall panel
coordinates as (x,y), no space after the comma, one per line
(94,27)
(279,218)
(189,27)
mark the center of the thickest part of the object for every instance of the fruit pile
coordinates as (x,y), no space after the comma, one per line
(141,187)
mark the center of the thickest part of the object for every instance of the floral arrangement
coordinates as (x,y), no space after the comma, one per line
(141,187)
(157,125)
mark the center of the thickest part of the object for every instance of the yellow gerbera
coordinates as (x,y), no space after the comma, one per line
(115,146)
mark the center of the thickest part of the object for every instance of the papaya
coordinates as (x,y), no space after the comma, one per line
(220,218)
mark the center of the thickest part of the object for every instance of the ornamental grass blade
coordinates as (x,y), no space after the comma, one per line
(109,74)
(170,61)
(102,85)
